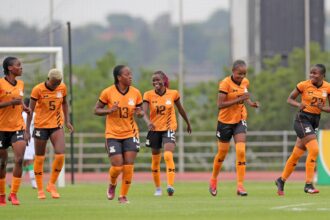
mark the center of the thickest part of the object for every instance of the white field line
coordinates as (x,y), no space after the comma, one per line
(290,206)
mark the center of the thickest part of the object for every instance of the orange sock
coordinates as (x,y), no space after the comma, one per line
(170,167)
(155,169)
(223,149)
(128,171)
(313,150)
(56,167)
(114,172)
(38,170)
(3,186)
(15,183)
(292,162)
(240,163)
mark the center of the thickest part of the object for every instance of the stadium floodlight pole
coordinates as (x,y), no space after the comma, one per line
(181,87)
(71,102)
(307,38)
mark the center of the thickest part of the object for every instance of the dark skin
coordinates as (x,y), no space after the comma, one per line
(158,84)
(15,70)
(57,138)
(124,81)
(238,74)
(316,78)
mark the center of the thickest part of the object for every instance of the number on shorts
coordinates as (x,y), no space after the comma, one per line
(171,134)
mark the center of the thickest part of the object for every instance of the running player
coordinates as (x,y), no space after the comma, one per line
(121,133)
(11,126)
(162,126)
(48,101)
(233,94)
(29,152)
(314,94)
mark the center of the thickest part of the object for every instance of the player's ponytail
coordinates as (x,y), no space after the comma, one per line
(8,61)
(117,72)
(164,77)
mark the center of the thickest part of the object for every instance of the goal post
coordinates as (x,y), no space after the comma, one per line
(58,52)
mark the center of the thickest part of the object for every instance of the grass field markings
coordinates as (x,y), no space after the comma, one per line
(291,206)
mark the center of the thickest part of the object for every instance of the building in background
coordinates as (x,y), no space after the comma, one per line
(263,28)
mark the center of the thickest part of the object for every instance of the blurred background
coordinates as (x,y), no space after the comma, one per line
(146,35)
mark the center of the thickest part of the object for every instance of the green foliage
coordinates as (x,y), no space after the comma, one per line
(272,86)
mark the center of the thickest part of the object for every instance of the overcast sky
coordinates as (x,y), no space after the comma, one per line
(79,12)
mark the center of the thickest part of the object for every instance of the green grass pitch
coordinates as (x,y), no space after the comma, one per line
(191,201)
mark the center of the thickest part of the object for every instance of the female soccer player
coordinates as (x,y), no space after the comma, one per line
(314,93)
(11,126)
(121,133)
(48,101)
(162,125)
(233,94)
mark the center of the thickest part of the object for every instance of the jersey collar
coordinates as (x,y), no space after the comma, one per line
(232,79)
(161,94)
(315,85)
(48,87)
(13,84)
(123,93)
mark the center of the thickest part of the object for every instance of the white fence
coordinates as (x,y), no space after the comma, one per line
(266,150)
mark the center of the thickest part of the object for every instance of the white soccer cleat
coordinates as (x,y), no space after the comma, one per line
(158,192)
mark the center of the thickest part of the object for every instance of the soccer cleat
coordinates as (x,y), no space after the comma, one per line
(52,189)
(241,191)
(213,187)
(309,188)
(41,194)
(13,199)
(123,200)
(2,200)
(170,191)
(158,192)
(111,192)
(280,186)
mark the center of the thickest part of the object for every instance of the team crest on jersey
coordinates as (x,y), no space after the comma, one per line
(131,102)
(324,94)
(245,90)
(21,93)
(59,95)
(168,102)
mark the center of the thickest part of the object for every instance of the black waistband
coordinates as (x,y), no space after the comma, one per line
(311,114)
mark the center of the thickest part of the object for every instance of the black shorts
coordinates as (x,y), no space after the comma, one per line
(119,146)
(306,123)
(156,139)
(44,133)
(226,131)
(7,138)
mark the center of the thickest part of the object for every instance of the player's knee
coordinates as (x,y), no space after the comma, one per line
(19,161)
(3,164)
(168,155)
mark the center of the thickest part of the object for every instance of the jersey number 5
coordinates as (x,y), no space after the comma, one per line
(51,105)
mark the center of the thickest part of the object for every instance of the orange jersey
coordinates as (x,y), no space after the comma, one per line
(121,124)
(11,118)
(162,110)
(48,109)
(237,112)
(311,95)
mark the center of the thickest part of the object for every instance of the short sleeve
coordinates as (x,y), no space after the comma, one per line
(176,95)
(35,94)
(146,97)
(138,98)
(104,98)
(223,87)
(300,87)
(65,91)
